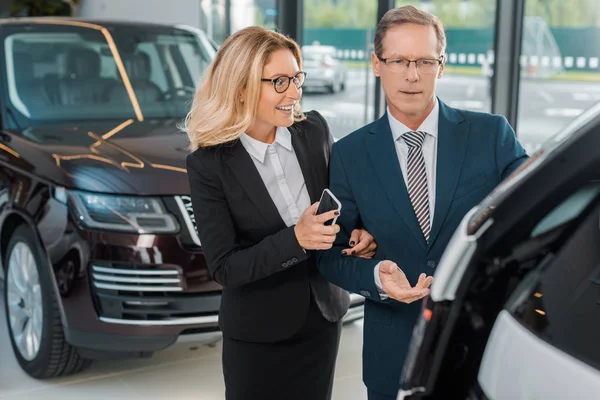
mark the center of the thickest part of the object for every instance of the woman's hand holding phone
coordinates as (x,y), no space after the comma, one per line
(311,231)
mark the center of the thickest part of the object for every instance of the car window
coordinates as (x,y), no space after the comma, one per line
(69,73)
(560,301)
(196,60)
(568,210)
(157,75)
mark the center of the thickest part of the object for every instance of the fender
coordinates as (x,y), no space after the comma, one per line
(7,215)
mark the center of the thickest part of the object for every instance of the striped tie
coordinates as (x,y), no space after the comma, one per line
(417,180)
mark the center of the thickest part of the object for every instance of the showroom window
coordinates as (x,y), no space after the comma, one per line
(469,27)
(560,61)
(338,41)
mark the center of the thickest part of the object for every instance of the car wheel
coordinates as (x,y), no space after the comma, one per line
(335,87)
(342,86)
(33,318)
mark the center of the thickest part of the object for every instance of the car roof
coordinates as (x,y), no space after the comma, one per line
(68,20)
(319,49)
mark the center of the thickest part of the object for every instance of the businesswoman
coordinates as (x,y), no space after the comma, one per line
(258,168)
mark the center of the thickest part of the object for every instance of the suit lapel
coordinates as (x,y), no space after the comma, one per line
(242,166)
(453,135)
(308,166)
(382,151)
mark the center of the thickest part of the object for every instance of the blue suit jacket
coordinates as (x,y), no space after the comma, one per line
(475,152)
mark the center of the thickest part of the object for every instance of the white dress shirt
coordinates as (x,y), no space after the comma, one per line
(280,171)
(430,143)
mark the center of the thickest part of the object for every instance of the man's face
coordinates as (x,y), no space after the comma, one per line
(409,91)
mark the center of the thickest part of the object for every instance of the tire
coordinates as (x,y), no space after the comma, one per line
(31,308)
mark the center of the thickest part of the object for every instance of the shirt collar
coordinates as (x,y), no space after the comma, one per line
(258,149)
(429,125)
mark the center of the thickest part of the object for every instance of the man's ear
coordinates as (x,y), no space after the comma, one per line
(376,64)
(442,65)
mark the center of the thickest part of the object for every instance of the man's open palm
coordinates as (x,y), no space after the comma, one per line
(397,287)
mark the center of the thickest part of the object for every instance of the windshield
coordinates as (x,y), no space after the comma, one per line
(317,55)
(70,71)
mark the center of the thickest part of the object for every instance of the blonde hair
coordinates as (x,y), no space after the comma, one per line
(218,115)
(406,15)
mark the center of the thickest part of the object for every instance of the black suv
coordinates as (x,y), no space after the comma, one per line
(97,236)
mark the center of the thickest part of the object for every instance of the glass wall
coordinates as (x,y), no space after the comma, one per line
(560,60)
(344,29)
(469,27)
(246,13)
(242,13)
(212,19)
(560,75)
(338,37)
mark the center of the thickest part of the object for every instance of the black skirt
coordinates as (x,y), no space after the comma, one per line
(301,367)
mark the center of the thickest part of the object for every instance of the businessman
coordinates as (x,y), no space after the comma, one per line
(408,178)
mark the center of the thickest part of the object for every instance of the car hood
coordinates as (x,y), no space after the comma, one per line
(125,157)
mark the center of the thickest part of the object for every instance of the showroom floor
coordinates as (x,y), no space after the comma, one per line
(174,374)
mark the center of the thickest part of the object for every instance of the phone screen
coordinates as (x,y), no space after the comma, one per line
(327,203)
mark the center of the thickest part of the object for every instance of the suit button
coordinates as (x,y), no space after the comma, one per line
(431,264)
(365,293)
(285,265)
(295,259)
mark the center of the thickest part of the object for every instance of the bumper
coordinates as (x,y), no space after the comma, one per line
(136,294)
(98,345)
(186,331)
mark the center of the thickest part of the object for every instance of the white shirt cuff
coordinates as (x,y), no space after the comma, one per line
(382,294)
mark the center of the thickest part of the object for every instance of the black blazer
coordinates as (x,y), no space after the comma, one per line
(267,278)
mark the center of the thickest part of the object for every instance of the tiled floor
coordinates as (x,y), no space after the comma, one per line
(173,374)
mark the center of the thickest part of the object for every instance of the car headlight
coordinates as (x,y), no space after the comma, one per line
(135,214)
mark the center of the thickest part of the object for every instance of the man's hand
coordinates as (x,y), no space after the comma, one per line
(397,287)
(362,244)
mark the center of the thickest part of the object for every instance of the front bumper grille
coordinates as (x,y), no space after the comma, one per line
(136,279)
(150,295)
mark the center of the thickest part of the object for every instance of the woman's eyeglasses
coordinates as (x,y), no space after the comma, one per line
(282,83)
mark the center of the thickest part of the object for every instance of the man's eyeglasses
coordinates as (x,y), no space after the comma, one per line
(282,83)
(424,65)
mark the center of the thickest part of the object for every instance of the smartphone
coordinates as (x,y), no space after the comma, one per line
(328,202)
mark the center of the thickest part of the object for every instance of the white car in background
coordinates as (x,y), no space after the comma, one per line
(323,69)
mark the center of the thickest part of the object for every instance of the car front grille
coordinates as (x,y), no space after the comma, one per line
(137,279)
(149,295)
(185,207)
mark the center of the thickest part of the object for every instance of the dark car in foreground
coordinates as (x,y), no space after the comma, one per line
(98,242)
(514,311)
